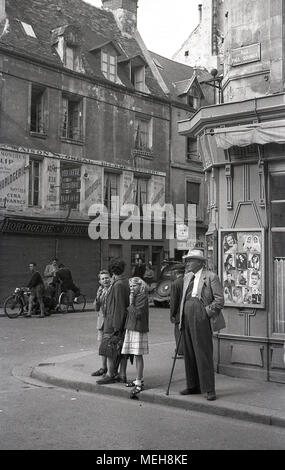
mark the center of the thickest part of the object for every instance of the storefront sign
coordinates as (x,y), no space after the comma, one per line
(242,267)
(13,194)
(246,54)
(70,185)
(79,161)
(43,228)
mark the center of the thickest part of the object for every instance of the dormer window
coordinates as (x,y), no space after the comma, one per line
(190,91)
(72,58)
(67,41)
(193,101)
(138,78)
(109,66)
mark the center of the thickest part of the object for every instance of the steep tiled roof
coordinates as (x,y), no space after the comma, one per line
(96,25)
(174,72)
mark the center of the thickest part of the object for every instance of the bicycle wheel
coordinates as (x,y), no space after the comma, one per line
(80,303)
(13,307)
(65,302)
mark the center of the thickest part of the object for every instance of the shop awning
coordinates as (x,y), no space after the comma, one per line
(258,133)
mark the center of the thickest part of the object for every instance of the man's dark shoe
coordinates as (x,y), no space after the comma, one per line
(190,391)
(106,380)
(211,396)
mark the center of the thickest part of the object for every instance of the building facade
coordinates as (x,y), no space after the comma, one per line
(86,120)
(241,143)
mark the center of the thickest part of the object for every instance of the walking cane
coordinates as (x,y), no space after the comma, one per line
(173,365)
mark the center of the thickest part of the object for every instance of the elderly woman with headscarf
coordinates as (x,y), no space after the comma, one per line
(137,328)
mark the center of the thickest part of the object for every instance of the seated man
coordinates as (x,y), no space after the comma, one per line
(64,278)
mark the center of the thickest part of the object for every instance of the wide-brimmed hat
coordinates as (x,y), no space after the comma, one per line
(195,254)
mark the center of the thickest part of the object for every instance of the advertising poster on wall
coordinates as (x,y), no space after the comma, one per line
(242,267)
(70,185)
(14,173)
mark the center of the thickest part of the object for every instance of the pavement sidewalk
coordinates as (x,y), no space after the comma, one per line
(254,401)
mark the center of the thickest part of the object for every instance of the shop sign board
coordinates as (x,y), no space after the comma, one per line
(32,227)
(241,267)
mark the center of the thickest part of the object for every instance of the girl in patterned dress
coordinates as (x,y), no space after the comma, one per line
(137,328)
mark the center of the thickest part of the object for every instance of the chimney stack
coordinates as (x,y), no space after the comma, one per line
(200,6)
(2,10)
(125,12)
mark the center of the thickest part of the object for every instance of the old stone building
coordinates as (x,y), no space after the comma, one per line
(242,145)
(86,116)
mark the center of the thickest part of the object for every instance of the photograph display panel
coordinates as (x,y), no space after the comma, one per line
(242,267)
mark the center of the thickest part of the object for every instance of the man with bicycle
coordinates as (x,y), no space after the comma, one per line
(36,286)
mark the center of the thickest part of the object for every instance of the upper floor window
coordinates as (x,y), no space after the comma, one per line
(38,109)
(143,133)
(193,195)
(109,66)
(72,118)
(34,182)
(191,149)
(111,190)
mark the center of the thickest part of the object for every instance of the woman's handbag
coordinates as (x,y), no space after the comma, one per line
(111,347)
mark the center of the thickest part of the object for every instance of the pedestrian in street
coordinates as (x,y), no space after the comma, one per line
(64,277)
(139,269)
(50,271)
(117,302)
(36,285)
(199,298)
(137,328)
(100,308)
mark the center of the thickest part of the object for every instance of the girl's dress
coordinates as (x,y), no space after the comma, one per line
(137,327)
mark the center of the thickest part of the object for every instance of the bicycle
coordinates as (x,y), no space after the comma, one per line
(67,301)
(17,304)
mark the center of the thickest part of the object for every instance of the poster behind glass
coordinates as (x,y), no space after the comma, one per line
(242,267)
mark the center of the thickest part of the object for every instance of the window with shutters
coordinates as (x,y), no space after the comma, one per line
(34,182)
(38,110)
(109,66)
(72,118)
(143,134)
(111,190)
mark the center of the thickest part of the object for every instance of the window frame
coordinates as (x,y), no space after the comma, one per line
(274,229)
(31,182)
(68,130)
(42,92)
(199,206)
(107,66)
(148,133)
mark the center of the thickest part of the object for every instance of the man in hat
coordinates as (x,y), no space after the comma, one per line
(197,300)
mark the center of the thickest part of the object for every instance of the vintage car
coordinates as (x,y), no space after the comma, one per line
(170,271)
